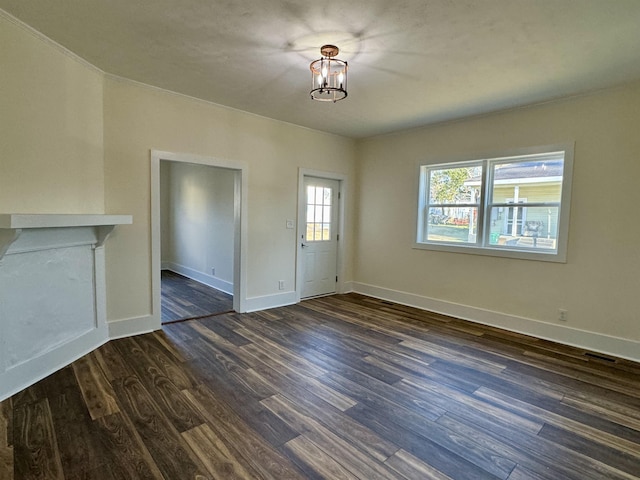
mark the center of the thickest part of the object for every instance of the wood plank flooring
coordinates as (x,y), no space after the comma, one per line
(184,298)
(341,387)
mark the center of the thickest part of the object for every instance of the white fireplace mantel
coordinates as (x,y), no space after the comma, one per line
(12,225)
(52,292)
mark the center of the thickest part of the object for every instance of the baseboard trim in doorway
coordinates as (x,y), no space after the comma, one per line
(208,280)
(265,302)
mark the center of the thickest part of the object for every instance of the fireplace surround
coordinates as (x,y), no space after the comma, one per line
(52,292)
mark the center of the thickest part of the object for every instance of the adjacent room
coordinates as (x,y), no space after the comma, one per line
(339,240)
(197,240)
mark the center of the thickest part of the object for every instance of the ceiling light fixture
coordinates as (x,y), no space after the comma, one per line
(328,76)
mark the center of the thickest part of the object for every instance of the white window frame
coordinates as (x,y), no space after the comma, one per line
(482,245)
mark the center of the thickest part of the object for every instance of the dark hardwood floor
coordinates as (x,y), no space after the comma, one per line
(342,387)
(185,298)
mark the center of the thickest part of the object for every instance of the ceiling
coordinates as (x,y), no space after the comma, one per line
(412,62)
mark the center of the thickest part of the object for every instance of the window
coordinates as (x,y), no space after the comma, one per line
(514,205)
(318,214)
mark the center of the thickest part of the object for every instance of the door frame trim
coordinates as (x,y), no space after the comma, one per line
(344,188)
(240,225)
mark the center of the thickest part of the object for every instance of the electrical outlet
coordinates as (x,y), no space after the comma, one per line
(280,284)
(562,315)
(213,272)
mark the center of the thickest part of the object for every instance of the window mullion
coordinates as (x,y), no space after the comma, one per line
(483,225)
(525,204)
(423,204)
(453,205)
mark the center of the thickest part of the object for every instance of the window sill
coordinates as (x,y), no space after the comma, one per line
(518,254)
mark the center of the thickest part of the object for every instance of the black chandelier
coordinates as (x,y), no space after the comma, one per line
(328,76)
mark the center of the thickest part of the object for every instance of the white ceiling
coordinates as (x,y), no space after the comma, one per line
(412,62)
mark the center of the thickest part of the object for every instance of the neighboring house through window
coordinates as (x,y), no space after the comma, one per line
(514,205)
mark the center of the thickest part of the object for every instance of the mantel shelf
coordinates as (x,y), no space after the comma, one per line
(13,224)
(54,220)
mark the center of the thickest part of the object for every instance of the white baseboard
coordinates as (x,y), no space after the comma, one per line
(132,326)
(598,342)
(347,287)
(25,374)
(209,280)
(270,301)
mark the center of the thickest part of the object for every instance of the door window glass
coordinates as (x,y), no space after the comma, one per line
(318,213)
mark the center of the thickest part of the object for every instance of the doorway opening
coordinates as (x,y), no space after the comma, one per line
(197,232)
(196,237)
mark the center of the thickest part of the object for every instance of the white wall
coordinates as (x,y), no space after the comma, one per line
(139,119)
(600,280)
(51,127)
(198,224)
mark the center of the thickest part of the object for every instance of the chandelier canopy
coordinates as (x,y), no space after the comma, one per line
(328,76)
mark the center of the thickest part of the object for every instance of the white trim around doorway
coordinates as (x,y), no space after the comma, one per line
(240,225)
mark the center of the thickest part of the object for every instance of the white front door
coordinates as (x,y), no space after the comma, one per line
(515,218)
(319,236)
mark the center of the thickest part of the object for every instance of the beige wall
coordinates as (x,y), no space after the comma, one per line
(600,280)
(75,141)
(199,225)
(139,118)
(51,134)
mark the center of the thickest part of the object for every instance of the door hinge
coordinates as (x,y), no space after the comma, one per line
(339,195)
(336,278)
(337,237)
